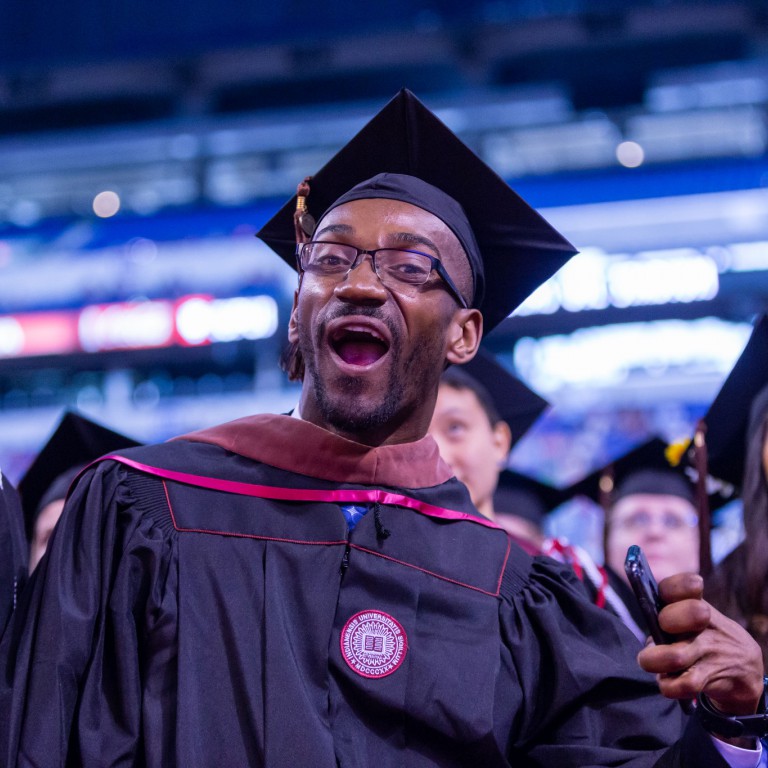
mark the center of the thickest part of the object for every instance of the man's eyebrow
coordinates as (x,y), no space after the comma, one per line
(336,229)
(408,238)
(411,239)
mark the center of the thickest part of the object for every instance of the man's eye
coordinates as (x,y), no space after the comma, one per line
(409,270)
(456,429)
(330,260)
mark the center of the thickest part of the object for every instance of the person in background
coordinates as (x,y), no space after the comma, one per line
(13,550)
(75,442)
(481,411)
(475,439)
(649,502)
(317,589)
(732,447)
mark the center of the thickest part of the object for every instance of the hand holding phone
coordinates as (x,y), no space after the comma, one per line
(647,593)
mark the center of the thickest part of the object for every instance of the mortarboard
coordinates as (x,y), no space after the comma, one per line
(511,248)
(523,496)
(719,452)
(75,442)
(738,409)
(515,402)
(644,469)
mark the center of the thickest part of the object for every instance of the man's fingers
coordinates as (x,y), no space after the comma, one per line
(681,586)
(685,617)
(668,659)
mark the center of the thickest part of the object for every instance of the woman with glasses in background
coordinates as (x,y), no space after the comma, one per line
(648,502)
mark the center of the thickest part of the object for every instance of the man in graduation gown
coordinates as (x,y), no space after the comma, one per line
(317,589)
(13,550)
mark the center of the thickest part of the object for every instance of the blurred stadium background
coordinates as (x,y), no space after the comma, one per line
(143,143)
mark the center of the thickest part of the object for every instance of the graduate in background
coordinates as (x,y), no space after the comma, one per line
(646,501)
(731,446)
(481,412)
(75,442)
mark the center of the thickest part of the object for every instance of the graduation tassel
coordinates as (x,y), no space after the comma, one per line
(606,488)
(381,532)
(605,492)
(291,359)
(303,222)
(702,498)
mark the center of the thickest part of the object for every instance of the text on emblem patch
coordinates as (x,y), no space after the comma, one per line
(373,644)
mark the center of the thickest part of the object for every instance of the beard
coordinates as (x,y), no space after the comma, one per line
(346,408)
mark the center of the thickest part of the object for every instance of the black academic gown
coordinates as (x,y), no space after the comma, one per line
(202,603)
(13,550)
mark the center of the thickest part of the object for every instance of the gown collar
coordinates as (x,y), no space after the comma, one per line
(299,446)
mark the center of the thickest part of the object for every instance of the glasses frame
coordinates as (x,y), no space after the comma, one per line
(690,523)
(437,265)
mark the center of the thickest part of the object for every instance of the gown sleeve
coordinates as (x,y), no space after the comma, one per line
(75,685)
(570,674)
(13,550)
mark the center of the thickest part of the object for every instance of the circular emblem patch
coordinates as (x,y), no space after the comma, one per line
(373,644)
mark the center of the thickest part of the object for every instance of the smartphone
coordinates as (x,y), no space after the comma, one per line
(647,593)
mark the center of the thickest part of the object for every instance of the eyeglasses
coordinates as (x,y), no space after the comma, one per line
(400,269)
(641,521)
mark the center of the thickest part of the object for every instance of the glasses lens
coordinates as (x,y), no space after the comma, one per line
(669,521)
(678,522)
(327,258)
(403,266)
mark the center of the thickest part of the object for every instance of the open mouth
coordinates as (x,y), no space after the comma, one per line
(360,346)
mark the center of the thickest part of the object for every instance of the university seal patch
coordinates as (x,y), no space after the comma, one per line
(373,644)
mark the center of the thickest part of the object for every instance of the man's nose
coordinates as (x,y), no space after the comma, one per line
(362,284)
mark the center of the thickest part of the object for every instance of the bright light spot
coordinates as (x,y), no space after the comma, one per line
(543,301)
(656,281)
(596,280)
(249,317)
(609,355)
(630,154)
(749,257)
(583,282)
(106,204)
(126,326)
(11,337)
(193,320)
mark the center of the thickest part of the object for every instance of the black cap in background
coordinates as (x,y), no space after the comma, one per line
(511,248)
(514,401)
(738,409)
(644,469)
(75,442)
(523,496)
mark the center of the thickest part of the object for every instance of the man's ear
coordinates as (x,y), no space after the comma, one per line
(502,441)
(293,329)
(464,335)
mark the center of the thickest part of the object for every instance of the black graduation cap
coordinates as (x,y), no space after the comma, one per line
(75,442)
(511,248)
(644,469)
(523,496)
(515,402)
(738,409)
